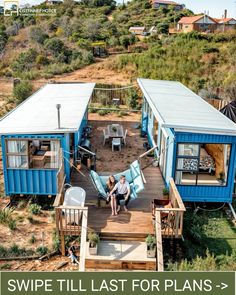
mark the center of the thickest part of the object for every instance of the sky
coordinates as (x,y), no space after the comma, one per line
(215,7)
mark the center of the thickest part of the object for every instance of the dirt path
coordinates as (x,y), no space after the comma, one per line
(99,72)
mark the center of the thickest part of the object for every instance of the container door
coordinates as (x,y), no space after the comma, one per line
(163,151)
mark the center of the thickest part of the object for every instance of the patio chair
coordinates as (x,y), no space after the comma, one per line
(116,142)
(74,196)
(124,137)
(105,136)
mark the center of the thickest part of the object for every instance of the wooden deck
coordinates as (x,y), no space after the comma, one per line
(135,224)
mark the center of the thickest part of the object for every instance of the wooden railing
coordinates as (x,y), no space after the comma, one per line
(217,103)
(72,221)
(140,161)
(61,178)
(160,261)
(60,196)
(60,173)
(172,217)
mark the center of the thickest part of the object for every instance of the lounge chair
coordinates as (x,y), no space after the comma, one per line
(133,176)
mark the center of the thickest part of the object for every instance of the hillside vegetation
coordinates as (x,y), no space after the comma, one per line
(40,46)
(199,61)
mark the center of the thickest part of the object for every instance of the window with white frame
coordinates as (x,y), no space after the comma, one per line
(33,154)
(17,153)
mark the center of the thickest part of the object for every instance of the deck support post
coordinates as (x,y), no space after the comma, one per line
(63,246)
(232,211)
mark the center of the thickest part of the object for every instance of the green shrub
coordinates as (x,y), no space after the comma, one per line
(16,251)
(42,250)
(25,61)
(32,239)
(42,60)
(22,90)
(34,209)
(92,110)
(150,241)
(57,69)
(165,191)
(122,114)
(37,35)
(207,49)
(54,45)
(21,204)
(133,99)
(12,224)
(103,112)
(53,216)
(5,266)
(6,215)
(56,241)
(93,238)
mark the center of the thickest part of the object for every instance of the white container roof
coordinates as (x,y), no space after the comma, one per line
(176,106)
(38,113)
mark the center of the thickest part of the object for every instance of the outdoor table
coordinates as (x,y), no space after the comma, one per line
(119,133)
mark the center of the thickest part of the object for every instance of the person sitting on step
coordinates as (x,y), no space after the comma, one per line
(122,191)
(109,187)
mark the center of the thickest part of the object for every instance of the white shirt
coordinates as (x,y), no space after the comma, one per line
(122,188)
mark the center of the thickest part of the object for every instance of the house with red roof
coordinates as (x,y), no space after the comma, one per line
(200,23)
(225,24)
(156,4)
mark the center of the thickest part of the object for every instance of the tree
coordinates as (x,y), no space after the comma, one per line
(38,35)
(125,41)
(25,60)
(163,28)
(22,91)
(55,46)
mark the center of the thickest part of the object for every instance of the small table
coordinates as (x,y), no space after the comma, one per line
(118,133)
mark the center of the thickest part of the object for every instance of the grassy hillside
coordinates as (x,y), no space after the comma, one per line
(42,47)
(199,61)
(34,47)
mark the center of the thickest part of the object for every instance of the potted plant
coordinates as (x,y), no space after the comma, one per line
(114,129)
(93,243)
(165,192)
(221,177)
(151,246)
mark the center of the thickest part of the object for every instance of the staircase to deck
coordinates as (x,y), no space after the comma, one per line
(120,255)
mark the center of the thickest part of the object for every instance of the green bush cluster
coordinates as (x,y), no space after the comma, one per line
(188,58)
(42,250)
(34,209)
(15,251)
(22,91)
(6,217)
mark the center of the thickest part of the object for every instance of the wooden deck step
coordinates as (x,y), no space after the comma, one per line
(123,236)
(120,255)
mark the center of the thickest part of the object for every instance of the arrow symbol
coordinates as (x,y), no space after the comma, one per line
(222,286)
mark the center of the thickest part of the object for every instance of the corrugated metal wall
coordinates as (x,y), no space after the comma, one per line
(205,193)
(31,181)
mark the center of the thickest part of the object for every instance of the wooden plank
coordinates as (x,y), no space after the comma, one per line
(83,239)
(160,261)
